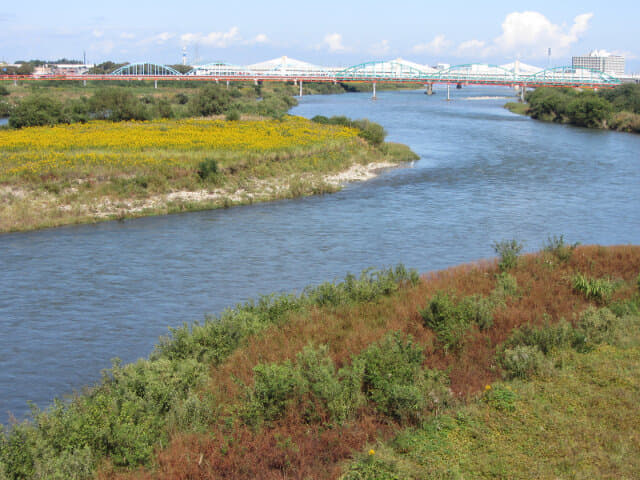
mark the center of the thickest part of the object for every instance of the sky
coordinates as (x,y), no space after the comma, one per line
(332,33)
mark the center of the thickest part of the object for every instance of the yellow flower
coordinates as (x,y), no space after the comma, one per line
(372,452)
(487,388)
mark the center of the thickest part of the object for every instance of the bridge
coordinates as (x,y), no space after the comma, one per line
(284,69)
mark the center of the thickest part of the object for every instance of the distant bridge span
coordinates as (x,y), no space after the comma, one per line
(371,72)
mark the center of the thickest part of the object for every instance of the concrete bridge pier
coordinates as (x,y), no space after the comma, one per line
(227,84)
(84,83)
(374,92)
(15,82)
(448,92)
(429,90)
(300,88)
(155,83)
(523,90)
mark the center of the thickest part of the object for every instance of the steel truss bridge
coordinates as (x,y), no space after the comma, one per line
(371,72)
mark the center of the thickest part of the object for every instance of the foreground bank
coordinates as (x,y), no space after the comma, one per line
(383,376)
(81,173)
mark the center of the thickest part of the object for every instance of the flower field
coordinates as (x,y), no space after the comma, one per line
(123,148)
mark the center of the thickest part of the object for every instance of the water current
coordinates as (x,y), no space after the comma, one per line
(73,298)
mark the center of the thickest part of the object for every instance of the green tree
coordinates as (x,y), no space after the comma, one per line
(37,110)
(589,111)
(210,100)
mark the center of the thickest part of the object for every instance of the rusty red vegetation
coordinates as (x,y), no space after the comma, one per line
(295,448)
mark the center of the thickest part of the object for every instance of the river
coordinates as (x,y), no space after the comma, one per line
(72,298)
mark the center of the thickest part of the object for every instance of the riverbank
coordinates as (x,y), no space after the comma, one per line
(617,109)
(497,367)
(83,173)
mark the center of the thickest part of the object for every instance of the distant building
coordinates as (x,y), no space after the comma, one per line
(601,60)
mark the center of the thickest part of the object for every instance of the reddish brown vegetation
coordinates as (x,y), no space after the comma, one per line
(293,448)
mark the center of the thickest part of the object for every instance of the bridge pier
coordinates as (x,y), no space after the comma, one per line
(227,84)
(374,92)
(84,83)
(155,83)
(448,92)
(15,82)
(523,89)
(300,88)
(429,90)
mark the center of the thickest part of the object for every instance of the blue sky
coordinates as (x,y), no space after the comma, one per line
(328,32)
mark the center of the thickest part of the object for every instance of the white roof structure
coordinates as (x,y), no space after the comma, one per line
(285,64)
(521,68)
(408,63)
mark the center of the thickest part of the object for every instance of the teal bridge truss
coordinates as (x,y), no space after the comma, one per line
(371,72)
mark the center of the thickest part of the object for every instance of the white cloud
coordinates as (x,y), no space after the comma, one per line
(104,47)
(127,36)
(159,39)
(381,48)
(261,38)
(435,47)
(213,39)
(531,33)
(98,33)
(471,47)
(333,42)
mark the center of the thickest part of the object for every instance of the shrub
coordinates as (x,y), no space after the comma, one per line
(589,111)
(501,398)
(37,110)
(4,91)
(508,251)
(506,286)
(556,247)
(373,133)
(595,327)
(181,98)
(597,289)
(233,116)
(208,169)
(117,104)
(522,361)
(445,319)
(450,318)
(275,387)
(394,380)
(210,100)
(544,338)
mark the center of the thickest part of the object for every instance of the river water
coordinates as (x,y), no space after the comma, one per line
(73,298)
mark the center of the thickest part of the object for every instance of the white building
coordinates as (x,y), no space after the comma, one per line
(601,60)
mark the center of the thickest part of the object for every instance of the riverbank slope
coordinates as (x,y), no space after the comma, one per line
(386,375)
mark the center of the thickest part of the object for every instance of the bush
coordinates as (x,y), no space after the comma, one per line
(451,319)
(208,169)
(4,91)
(373,133)
(501,398)
(522,361)
(394,379)
(37,110)
(233,116)
(275,387)
(117,104)
(556,247)
(181,98)
(508,251)
(545,338)
(595,327)
(589,111)
(210,100)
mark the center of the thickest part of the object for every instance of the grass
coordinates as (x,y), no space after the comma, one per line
(79,173)
(517,107)
(580,421)
(295,386)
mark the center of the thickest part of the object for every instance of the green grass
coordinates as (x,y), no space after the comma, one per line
(517,107)
(580,419)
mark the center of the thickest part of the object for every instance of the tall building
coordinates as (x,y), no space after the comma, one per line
(601,60)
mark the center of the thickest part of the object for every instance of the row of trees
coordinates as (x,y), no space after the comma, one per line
(120,104)
(618,108)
